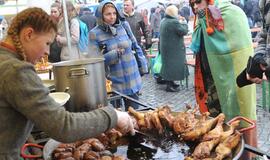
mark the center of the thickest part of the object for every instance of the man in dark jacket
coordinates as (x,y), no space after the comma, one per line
(251,8)
(88,18)
(138,27)
(185,12)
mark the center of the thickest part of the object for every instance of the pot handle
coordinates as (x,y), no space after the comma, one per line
(27,155)
(252,124)
(76,72)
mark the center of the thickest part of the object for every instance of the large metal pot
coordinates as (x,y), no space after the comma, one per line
(84,80)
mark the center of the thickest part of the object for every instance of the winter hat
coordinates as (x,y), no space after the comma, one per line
(172,10)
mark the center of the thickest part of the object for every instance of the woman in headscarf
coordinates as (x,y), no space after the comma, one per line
(113,39)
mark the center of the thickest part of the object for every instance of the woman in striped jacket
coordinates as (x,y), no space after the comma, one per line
(113,39)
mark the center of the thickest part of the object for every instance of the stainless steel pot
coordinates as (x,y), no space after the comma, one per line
(84,80)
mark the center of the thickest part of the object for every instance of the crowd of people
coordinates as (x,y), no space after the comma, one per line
(122,38)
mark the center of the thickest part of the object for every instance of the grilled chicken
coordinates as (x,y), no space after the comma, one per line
(156,122)
(209,140)
(118,157)
(165,116)
(185,121)
(217,131)
(91,155)
(113,135)
(151,119)
(202,127)
(224,149)
(230,131)
(139,117)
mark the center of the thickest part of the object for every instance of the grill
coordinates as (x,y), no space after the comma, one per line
(139,146)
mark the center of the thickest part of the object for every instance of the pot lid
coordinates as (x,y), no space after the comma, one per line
(78,62)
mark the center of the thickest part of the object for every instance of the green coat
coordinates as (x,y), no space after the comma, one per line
(227,53)
(172,49)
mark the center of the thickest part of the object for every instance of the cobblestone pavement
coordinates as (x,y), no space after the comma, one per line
(155,95)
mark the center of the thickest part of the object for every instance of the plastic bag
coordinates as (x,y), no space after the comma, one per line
(158,64)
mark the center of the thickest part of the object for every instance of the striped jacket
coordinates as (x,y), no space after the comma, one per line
(122,70)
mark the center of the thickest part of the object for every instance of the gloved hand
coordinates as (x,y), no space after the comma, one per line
(124,123)
(253,70)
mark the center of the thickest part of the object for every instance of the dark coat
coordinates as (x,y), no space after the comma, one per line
(138,27)
(89,20)
(172,49)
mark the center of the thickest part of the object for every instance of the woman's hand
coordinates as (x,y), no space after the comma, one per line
(254,79)
(124,123)
(58,38)
(120,51)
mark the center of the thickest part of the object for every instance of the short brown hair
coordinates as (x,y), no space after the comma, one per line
(132,2)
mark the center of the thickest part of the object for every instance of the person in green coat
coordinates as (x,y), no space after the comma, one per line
(222,44)
(172,48)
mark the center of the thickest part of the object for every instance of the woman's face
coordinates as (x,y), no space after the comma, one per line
(109,15)
(36,44)
(199,5)
(55,13)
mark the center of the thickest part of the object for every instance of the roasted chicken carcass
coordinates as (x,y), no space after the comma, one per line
(185,121)
(224,149)
(230,131)
(91,155)
(139,116)
(147,120)
(109,137)
(165,116)
(118,157)
(156,122)
(113,135)
(203,126)
(217,131)
(209,140)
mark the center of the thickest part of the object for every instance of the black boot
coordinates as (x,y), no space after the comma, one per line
(175,85)
(159,79)
(171,88)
